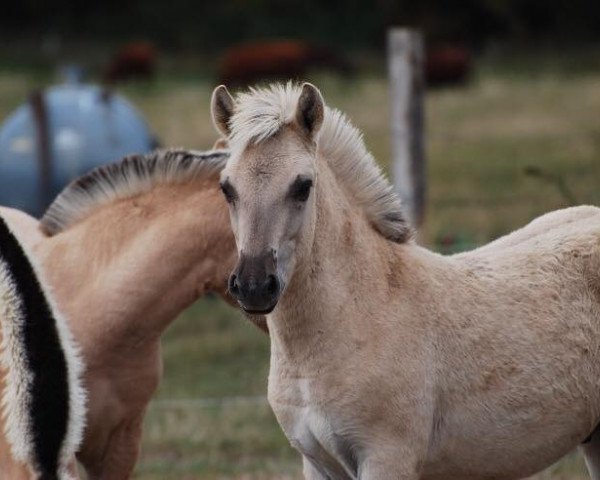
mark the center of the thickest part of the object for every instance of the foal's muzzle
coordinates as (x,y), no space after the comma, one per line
(254,283)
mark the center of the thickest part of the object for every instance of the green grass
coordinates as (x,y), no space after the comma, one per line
(522,110)
(212,352)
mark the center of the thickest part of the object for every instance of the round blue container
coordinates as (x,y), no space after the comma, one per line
(61,134)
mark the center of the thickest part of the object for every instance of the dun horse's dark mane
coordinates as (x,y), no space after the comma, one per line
(128,177)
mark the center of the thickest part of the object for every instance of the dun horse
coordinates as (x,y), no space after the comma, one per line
(389,361)
(126,248)
(43,403)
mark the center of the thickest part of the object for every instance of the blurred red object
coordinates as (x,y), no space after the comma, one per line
(277,60)
(447,65)
(132,60)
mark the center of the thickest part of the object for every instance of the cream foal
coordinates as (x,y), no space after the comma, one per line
(389,361)
(125,249)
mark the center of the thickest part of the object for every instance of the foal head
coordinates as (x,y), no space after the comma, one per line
(268,183)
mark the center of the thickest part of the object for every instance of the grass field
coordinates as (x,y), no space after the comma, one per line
(514,115)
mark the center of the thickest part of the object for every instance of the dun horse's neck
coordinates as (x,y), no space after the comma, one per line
(126,271)
(332,278)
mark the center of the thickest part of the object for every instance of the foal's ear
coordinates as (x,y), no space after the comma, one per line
(221,107)
(310,109)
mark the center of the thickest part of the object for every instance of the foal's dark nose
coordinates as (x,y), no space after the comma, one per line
(254,283)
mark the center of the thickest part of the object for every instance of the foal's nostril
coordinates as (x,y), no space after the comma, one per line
(234,286)
(272,285)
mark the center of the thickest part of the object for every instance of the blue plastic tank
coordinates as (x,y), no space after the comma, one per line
(60,134)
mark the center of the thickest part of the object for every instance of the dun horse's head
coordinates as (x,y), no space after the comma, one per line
(269,186)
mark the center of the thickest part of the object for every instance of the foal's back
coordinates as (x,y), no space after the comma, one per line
(573,224)
(554,259)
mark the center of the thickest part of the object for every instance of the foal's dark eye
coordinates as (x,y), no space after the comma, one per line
(300,189)
(228,191)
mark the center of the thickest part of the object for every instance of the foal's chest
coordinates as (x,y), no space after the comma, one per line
(313,429)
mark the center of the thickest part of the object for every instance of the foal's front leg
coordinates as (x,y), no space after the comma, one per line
(390,464)
(310,471)
(378,470)
(591,453)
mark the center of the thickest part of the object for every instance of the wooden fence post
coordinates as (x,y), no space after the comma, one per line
(406,72)
(39,108)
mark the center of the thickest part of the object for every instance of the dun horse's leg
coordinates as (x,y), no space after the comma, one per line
(591,453)
(119,460)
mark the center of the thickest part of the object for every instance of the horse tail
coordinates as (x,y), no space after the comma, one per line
(43,402)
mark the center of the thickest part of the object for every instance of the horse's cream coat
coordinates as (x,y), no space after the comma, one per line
(128,253)
(389,361)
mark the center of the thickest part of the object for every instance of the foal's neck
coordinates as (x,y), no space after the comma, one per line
(131,267)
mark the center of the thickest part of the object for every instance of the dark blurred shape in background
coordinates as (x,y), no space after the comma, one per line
(133,60)
(250,63)
(447,65)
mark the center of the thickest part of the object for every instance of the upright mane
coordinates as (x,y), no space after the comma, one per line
(128,177)
(261,112)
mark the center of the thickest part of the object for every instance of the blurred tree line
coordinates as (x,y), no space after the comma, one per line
(350,24)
